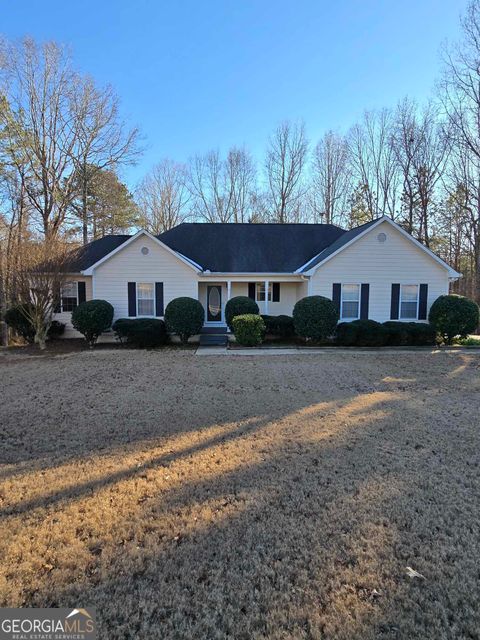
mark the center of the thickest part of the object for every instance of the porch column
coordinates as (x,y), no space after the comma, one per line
(229,289)
(266,296)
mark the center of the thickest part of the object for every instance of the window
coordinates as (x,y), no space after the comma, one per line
(350,301)
(69,296)
(409,301)
(145,299)
(261,291)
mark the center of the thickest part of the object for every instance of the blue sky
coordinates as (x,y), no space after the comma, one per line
(196,75)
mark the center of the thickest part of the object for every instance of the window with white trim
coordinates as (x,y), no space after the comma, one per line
(350,302)
(409,301)
(69,296)
(260,289)
(145,299)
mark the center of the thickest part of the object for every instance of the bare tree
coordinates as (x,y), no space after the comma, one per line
(373,161)
(222,190)
(162,197)
(42,129)
(460,96)
(104,142)
(330,179)
(285,168)
(39,275)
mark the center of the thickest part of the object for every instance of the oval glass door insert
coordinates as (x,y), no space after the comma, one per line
(214,306)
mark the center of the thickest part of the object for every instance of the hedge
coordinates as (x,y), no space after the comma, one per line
(315,317)
(16,320)
(239,306)
(184,316)
(248,329)
(453,316)
(361,333)
(143,333)
(281,325)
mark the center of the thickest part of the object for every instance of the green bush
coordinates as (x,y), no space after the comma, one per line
(281,325)
(185,317)
(21,325)
(454,315)
(361,333)
(421,334)
(398,333)
(315,317)
(56,329)
(144,333)
(248,329)
(239,306)
(92,318)
(471,341)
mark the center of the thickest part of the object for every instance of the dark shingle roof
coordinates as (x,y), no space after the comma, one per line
(342,240)
(247,248)
(237,248)
(89,254)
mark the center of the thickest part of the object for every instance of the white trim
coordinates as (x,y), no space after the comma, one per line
(453,274)
(142,232)
(267,284)
(75,282)
(356,284)
(409,284)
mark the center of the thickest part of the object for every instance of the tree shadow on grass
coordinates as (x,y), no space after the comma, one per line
(283,530)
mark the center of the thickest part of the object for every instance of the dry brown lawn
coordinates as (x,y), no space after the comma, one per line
(240,497)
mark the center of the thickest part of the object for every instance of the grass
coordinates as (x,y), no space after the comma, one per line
(247,498)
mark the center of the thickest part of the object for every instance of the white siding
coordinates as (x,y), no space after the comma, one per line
(290,292)
(380,265)
(130,265)
(66,317)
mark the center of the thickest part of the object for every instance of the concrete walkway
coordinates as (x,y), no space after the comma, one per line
(297,351)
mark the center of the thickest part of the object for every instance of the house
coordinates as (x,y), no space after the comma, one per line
(375,271)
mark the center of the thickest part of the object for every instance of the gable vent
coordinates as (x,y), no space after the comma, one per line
(382,237)
(145,251)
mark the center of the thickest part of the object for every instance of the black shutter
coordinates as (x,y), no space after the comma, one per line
(336,295)
(395,302)
(82,294)
(364,296)
(57,308)
(422,302)
(132,299)
(276,292)
(251,290)
(159,298)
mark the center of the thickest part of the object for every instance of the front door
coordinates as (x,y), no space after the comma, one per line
(214,303)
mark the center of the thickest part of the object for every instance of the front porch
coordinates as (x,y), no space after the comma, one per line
(275,295)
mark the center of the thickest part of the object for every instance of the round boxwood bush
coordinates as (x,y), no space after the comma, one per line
(56,329)
(453,316)
(239,306)
(144,333)
(315,317)
(398,333)
(346,334)
(17,320)
(184,316)
(248,329)
(92,318)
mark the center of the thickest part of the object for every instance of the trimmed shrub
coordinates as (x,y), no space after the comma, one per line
(281,325)
(239,306)
(361,333)
(184,316)
(16,320)
(346,334)
(421,334)
(315,317)
(92,318)
(453,316)
(248,329)
(398,333)
(144,333)
(56,329)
